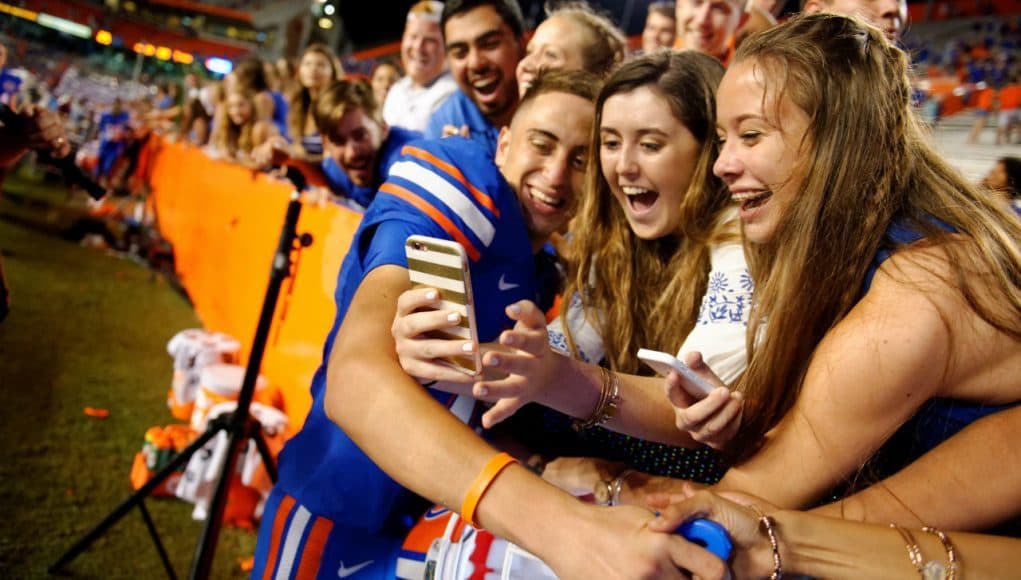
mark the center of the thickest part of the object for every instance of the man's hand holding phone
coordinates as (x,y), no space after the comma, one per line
(703,405)
(418,318)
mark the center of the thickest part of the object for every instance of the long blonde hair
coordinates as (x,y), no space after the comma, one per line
(869,165)
(231,138)
(645,293)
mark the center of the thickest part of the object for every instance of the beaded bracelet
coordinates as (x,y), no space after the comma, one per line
(951,566)
(481,483)
(606,406)
(768,525)
(914,552)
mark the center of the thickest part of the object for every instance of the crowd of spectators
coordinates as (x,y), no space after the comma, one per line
(984,61)
(253,114)
(600,174)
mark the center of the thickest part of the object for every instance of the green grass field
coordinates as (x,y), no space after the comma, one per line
(86,329)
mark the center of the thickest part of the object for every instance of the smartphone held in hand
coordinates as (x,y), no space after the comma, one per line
(663,363)
(443,265)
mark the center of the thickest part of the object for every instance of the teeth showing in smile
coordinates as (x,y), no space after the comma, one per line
(484,84)
(746,195)
(545,198)
(631,190)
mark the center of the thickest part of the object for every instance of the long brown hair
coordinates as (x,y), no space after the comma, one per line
(645,293)
(300,101)
(868,165)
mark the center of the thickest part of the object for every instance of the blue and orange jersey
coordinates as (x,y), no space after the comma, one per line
(448,189)
(340,184)
(460,111)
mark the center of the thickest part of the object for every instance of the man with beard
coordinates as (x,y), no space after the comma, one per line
(340,506)
(425,85)
(358,146)
(484,44)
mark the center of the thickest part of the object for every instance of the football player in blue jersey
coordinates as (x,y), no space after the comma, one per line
(375,437)
(358,146)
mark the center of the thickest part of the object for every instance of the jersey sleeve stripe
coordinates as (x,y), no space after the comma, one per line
(436,215)
(312,553)
(443,190)
(455,173)
(292,542)
(279,520)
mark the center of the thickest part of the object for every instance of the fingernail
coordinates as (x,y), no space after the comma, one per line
(467,347)
(453,317)
(482,391)
(514,308)
(431,295)
(508,339)
(494,361)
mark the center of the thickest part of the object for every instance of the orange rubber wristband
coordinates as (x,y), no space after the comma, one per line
(482,482)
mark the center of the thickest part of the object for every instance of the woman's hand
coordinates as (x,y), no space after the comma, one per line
(712,421)
(33,127)
(580,476)
(274,151)
(454,131)
(526,359)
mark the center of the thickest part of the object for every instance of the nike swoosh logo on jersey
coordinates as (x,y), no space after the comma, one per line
(345,572)
(504,285)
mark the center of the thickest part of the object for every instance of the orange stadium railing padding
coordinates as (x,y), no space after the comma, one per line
(224,222)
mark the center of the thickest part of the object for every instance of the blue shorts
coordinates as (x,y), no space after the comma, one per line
(296,544)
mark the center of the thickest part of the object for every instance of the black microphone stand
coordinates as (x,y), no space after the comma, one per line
(239,425)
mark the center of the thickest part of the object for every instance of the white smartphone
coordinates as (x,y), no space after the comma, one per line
(663,363)
(443,265)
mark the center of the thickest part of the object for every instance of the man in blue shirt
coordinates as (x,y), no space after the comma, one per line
(10,83)
(340,507)
(358,146)
(484,44)
(113,128)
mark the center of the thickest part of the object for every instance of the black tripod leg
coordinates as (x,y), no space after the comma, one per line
(267,457)
(151,526)
(239,420)
(118,512)
(205,549)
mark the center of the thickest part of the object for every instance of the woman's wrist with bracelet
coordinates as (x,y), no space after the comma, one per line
(831,547)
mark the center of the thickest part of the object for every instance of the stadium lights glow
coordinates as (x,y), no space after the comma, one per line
(163,53)
(63,25)
(329,9)
(104,37)
(183,57)
(325,23)
(47,20)
(18,11)
(218,65)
